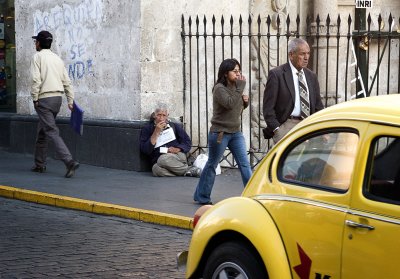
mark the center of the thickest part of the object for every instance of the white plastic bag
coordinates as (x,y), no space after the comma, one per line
(201,161)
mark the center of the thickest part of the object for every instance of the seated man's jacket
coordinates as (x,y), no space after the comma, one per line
(182,141)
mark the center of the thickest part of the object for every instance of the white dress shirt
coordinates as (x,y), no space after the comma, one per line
(297,109)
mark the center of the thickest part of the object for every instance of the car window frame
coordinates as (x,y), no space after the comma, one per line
(295,143)
(368,173)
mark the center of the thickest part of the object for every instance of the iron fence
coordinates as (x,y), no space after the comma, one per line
(350,60)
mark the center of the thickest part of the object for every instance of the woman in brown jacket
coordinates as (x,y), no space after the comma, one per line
(228,104)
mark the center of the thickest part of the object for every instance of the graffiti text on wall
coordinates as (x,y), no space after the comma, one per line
(74,28)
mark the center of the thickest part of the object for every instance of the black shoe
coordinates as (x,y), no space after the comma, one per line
(38,169)
(204,203)
(72,166)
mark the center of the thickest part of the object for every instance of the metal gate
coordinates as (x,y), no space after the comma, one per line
(339,56)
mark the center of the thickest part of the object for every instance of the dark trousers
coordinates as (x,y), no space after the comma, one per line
(47,110)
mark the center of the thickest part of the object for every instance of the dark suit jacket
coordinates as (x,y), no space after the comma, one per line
(182,141)
(279,95)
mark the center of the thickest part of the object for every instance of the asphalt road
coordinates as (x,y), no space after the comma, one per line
(38,241)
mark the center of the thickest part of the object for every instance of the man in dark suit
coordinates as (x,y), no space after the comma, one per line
(291,93)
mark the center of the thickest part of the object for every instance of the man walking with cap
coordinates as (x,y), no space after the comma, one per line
(49,82)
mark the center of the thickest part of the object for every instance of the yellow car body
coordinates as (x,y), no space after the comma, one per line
(323,203)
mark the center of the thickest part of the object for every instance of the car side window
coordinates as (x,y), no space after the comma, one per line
(383,179)
(325,161)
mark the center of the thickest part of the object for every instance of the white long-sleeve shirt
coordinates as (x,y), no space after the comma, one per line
(297,107)
(49,77)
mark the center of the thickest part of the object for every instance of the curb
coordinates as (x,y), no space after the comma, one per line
(143,215)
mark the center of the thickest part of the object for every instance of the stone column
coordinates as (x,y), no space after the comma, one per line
(323,8)
(324,55)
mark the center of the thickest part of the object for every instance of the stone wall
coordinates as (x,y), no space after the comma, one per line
(161,53)
(99,41)
(105,143)
(124,57)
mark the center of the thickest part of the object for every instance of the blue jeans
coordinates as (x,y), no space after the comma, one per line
(237,145)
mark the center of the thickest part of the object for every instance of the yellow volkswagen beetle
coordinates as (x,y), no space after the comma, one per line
(324,203)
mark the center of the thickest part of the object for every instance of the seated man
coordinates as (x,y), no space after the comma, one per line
(167,144)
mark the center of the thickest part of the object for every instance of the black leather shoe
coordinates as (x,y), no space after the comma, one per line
(204,203)
(72,166)
(38,169)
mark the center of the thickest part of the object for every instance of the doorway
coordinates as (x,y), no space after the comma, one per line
(7,56)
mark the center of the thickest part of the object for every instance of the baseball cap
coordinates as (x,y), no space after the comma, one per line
(43,36)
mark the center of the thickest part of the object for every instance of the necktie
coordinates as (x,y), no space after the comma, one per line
(304,99)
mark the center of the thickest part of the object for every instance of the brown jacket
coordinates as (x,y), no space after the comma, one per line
(227,107)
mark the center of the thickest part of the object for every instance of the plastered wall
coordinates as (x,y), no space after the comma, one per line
(99,40)
(161,52)
(124,57)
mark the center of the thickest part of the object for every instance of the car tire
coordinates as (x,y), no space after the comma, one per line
(232,259)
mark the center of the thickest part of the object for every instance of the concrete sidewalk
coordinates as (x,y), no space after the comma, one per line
(129,194)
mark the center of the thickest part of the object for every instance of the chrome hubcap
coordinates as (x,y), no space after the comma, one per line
(229,270)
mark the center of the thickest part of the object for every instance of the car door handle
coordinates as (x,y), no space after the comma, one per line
(359,225)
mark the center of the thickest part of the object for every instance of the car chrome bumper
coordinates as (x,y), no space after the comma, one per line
(181,260)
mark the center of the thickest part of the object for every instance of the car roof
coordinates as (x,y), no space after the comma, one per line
(379,109)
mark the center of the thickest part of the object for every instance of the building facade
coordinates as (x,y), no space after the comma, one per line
(124,58)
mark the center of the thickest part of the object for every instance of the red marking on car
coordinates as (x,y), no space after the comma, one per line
(303,269)
(199,212)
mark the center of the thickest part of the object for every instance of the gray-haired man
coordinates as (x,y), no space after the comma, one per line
(291,93)
(167,144)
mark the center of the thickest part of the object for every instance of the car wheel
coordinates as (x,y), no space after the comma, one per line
(233,260)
